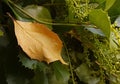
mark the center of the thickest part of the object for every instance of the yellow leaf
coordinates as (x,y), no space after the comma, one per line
(38,42)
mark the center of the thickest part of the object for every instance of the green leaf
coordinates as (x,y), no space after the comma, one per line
(95,31)
(117,22)
(39,13)
(40,78)
(31,64)
(84,74)
(26,61)
(61,73)
(100,18)
(56,73)
(114,11)
(109,4)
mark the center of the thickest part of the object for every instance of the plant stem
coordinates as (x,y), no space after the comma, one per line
(40,21)
(71,70)
(87,6)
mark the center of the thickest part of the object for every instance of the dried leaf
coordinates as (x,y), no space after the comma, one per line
(38,42)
